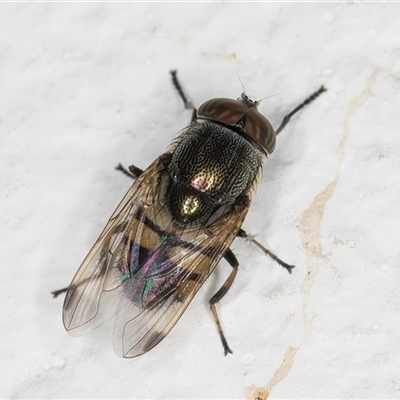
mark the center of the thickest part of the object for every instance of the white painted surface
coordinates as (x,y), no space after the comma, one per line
(85,86)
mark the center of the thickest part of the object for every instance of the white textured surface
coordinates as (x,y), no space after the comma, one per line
(85,86)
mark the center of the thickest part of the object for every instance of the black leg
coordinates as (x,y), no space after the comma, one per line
(133,172)
(187,103)
(56,293)
(243,234)
(233,262)
(308,100)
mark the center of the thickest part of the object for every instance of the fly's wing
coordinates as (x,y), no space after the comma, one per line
(144,268)
(168,276)
(92,298)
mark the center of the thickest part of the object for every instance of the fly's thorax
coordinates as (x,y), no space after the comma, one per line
(211,167)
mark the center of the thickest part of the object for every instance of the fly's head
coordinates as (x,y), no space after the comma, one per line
(241,115)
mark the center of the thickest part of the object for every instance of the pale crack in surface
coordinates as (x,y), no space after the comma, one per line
(310,234)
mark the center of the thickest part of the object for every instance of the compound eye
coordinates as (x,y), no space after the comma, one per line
(231,112)
(227,111)
(260,130)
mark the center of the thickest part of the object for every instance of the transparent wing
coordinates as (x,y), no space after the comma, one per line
(168,278)
(92,298)
(167,270)
(144,269)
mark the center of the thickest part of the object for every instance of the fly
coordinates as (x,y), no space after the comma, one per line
(174,225)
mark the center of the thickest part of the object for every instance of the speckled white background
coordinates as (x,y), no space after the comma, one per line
(85,86)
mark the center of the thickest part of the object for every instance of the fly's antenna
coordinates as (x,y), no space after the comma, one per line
(241,83)
(256,102)
(267,97)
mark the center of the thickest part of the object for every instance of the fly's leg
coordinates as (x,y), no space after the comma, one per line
(244,235)
(308,100)
(56,293)
(133,171)
(187,103)
(233,262)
